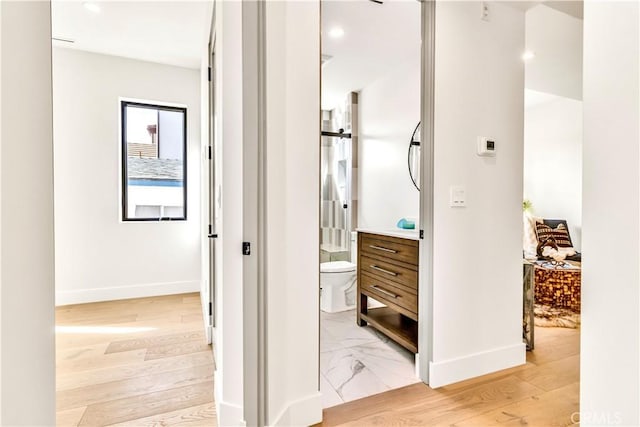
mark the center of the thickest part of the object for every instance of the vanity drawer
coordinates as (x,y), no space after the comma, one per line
(393,272)
(393,296)
(402,250)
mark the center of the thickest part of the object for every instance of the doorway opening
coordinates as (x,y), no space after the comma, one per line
(552,205)
(133,312)
(369,207)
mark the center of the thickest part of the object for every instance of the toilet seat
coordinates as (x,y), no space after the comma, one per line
(337,267)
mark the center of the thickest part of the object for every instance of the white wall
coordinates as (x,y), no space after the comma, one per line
(97,256)
(477,266)
(556,40)
(228,139)
(1,102)
(389,112)
(610,343)
(27,390)
(293,194)
(553,160)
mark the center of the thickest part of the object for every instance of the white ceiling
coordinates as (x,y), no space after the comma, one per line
(168,32)
(570,7)
(573,8)
(377,37)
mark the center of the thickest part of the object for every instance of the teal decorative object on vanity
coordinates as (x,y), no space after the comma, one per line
(406,224)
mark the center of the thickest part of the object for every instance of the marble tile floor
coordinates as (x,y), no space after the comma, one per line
(356,361)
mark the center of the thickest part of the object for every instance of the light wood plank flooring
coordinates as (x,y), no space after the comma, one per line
(543,392)
(137,362)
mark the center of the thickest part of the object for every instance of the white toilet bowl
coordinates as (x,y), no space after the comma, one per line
(337,286)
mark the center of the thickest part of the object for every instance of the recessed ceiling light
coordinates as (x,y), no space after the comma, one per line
(528,55)
(93,7)
(336,32)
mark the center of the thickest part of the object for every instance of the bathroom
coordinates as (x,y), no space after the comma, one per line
(370,159)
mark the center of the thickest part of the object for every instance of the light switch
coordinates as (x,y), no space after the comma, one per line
(458,197)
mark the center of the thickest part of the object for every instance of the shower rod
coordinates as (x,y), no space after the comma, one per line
(339,134)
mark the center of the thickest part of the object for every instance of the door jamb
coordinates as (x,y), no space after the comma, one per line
(425,285)
(254,219)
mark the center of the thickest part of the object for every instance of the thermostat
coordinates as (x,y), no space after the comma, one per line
(486,146)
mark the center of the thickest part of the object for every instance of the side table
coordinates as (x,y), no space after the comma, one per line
(528,320)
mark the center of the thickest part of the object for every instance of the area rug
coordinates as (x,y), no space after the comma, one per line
(552,317)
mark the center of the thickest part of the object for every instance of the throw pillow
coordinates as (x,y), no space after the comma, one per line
(560,234)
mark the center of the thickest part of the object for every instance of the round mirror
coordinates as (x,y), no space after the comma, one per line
(414,157)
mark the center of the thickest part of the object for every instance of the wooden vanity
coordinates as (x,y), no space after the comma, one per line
(388,273)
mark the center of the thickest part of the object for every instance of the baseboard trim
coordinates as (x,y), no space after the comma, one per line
(81,296)
(228,414)
(306,411)
(475,365)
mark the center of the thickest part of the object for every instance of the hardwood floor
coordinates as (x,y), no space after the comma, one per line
(137,362)
(143,362)
(543,392)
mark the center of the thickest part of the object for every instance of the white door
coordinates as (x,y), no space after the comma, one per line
(209,289)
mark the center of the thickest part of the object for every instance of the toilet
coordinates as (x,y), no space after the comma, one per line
(337,286)
(338,283)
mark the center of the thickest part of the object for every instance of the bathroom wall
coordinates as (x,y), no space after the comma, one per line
(389,112)
(339,180)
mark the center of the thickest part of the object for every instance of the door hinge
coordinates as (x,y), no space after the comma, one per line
(421,234)
(210,309)
(209,152)
(246,248)
(209,73)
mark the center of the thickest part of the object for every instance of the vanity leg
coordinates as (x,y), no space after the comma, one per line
(361,309)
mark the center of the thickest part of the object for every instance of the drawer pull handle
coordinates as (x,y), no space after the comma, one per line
(391,273)
(380,248)
(384,291)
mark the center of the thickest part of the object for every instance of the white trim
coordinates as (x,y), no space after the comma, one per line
(475,365)
(254,195)
(122,99)
(302,412)
(81,296)
(151,102)
(425,276)
(228,414)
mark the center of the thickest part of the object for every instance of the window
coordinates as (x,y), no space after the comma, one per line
(154,162)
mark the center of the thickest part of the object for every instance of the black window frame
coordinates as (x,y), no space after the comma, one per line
(124,165)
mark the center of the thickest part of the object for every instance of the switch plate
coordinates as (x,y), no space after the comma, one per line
(458,196)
